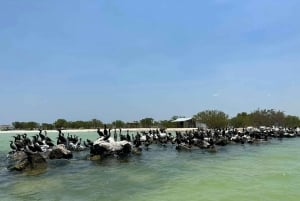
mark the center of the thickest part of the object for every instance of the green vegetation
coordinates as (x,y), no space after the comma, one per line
(146,122)
(28,125)
(118,124)
(212,118)
(241,120)
(265,118)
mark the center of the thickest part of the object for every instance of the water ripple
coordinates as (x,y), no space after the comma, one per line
(236,172)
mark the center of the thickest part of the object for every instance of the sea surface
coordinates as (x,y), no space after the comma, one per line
(258,172)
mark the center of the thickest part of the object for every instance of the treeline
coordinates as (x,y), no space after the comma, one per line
(211,118)
(95,123)
(257,118)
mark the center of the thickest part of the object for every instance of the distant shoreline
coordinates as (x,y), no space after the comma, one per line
(94,130)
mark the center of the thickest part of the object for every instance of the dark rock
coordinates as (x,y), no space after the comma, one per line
(60,152)
(126,149)
(94,157)
(26,161)
(36,161)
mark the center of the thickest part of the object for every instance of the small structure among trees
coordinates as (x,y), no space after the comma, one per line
(6,127)
(213,119)
(184,122)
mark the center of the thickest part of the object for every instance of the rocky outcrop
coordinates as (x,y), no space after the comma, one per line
(35,162)
(108,147)
(26,161)
(60,152)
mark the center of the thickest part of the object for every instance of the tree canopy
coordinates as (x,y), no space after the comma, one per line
(241,120)
(212,118)
(264,117)
(147,122)
(118,124)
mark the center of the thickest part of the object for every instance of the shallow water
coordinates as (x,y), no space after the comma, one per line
(269,171)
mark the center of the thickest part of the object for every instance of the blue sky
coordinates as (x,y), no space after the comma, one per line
(133,59)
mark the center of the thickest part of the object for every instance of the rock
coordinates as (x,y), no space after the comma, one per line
(27,161)
(94,157)
(17,160)
(137,151)
(125,150)
(110,147)
(183,146)
(60,152)
(16,156)
(36,161)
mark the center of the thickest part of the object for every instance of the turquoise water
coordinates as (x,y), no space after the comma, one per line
(269,171)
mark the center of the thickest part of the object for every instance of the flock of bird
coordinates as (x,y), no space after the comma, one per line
(203,139)
(41,142)
(211,138)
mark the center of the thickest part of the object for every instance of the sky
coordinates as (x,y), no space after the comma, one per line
(128,60)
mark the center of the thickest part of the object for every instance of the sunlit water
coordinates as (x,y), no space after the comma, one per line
(269,171)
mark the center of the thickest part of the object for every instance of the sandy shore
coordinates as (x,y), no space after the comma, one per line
(94,130)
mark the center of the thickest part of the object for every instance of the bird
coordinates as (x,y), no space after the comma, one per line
(37,147)
(13,146)
(100,133)
(19,144)
(41,135)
